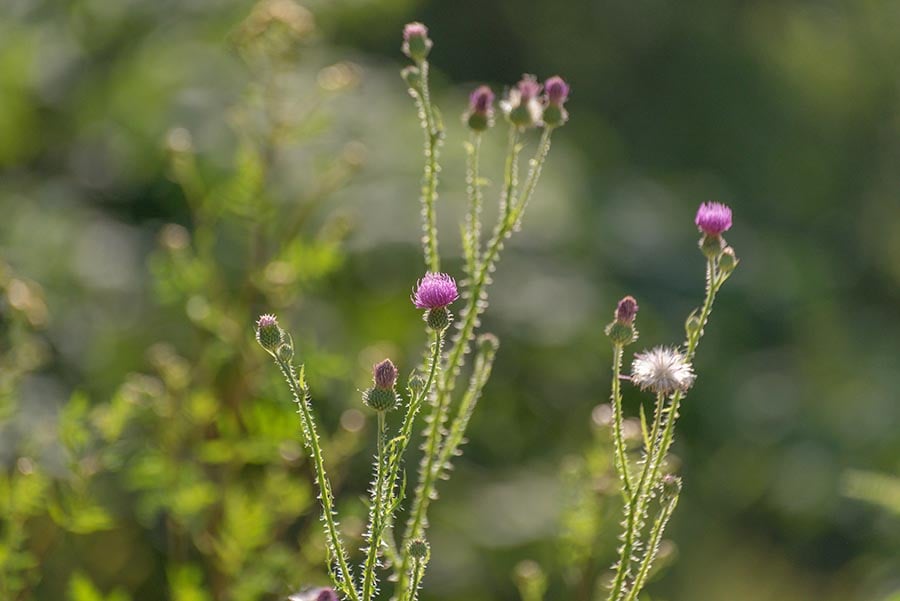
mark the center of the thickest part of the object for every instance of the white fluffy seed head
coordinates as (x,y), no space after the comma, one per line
(662,370)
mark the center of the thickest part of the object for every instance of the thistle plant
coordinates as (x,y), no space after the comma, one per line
(397,547)
(649,493)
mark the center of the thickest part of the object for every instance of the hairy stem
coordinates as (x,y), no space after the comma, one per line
(430,178)
(621,459)
(344,579)
(659,526)
(634,509)
(472,229)
(376,516)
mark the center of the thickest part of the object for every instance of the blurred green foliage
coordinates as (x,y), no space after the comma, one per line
(171,169)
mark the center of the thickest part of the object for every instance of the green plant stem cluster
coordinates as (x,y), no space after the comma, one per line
(640,544)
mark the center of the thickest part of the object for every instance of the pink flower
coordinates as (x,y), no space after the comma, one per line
(713,218)
(434,291)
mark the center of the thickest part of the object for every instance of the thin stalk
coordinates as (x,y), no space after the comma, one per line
(472,230)
(376,519)
(621,459)
(430,178)
(311,440)
(656,532)
(634,509)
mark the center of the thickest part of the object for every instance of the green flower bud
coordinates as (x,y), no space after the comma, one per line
(285,352)
(728,261)
(268,333)
(381,399)
(415,384)
(419,549)
(692,325)
(413,77)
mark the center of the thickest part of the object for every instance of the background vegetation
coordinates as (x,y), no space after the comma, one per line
(171,169)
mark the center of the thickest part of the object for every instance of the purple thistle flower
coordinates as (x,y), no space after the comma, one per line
(529,87)
(713,218)
(435,291)
(557,90)
(268,333)
(481,100)
(385,374)
(626,310)
(416,44)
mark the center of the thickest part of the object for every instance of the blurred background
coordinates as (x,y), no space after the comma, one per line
(169,170)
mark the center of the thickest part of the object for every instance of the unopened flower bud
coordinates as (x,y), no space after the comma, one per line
(412,76)
(487,343)
(692,325)
(728,261)
(285,352)
(268,333)
(622,331)
(671,486)
(480,115)
(415,383)
(522,106)
(557,92)
(381,399)
(416,44)
(419,549)
(384,374)
(327,594)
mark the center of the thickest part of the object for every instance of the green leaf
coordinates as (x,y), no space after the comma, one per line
(644,430)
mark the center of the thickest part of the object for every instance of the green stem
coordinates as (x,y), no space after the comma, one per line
(376,518)
(472,231)
(344,580)
(634,508)
(656,532)
(476,304)
(621,458)
(430,179)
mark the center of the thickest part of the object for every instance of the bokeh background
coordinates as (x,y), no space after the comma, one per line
(170,169)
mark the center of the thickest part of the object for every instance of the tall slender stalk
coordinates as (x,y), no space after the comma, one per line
(621,459)
(430,178)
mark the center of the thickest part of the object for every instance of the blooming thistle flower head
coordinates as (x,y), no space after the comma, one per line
(713,218)
(522,105)
(416,44)
(268,333)
(556,92)
(662,370)
(384,374)
(435,291)
(480,114)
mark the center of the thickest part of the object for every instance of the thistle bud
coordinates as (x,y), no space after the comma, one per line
(556,93)
(415,384)
(728,261)
(713,219)
(381,399)
(285,352)
(419,549)
(521,105)
(480,115)
(692,325)
(268,333)
(621,330)
(671,486)
(416,44)
(384,374)
(413,77)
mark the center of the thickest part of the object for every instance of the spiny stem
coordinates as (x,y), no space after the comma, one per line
(472,230)
(635,508)
(311,439)
(430,178)
(656,532)
(376,517)
(618,434)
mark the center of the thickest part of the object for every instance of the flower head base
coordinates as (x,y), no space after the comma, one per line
(268,333)
(416,44)
(557,92)
(419,549)
(662,370)
(621,331)
(713,218)
(384,374)
(522,106)
(480,115)
(435,291)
